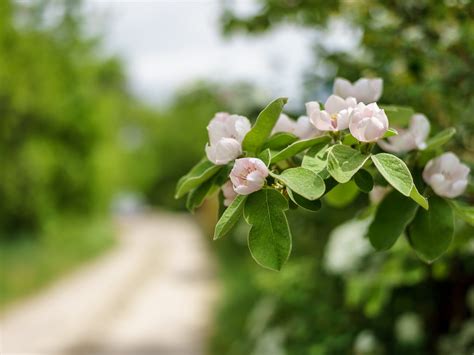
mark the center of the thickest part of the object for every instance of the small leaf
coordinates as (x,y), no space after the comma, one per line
(265,156)
(393,215)
(398,115)
(201,172)
(418,198)
(440,139)
(390,133)
(315,161)
(344,162)
(342,194)
(298,147)
(280,140)
(269,237)
(302,181)
(431,232)
(364,180)
(230,217)
(349,139)
(463,211)
(197,196)
(395,171)
(313,206)
(256,137)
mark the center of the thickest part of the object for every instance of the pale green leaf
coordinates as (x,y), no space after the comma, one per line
(395,171)
(344,162)
(440,139)
(302,181)
(398,116)
(418,198)
(463,211)
(342,194)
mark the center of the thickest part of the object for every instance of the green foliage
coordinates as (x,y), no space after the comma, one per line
(255,139)
(344,162)
(342,195)
(364,180)
(200,173)
(298,147)
(393,215)
(302,181)
(280,140)
(269,238)
(310,205)
(431,232)
(230,217)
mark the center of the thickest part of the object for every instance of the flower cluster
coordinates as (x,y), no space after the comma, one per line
(281,162)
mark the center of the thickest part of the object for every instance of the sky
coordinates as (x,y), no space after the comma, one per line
(168,44)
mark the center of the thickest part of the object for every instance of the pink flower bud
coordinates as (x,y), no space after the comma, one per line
(223,151)
(248,175)
(224,125)
(368,122)
(446,175)
(334,117)
(229,193)
(363,90)
(408,139)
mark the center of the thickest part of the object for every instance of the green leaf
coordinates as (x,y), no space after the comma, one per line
(280,140)
(298,147)
(390,133)
(201,172)
(349,139)
(393,215)
(440,139)
(315,161)
(313,206)
(265,156)
(395,171)
(302,181)
(418,198)
(230,217)
(197,196)
(431,232)
(463,211)
(342,194)
(344,162)
(364,180)
(269,238)
(398,115)
(262,128)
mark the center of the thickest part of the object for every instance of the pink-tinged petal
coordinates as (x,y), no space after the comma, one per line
(312,107)
(420,129)
(334,104)
(284,124)
(458,188)
(323,121)
(342,87)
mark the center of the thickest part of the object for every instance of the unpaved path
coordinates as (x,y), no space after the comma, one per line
(151,295)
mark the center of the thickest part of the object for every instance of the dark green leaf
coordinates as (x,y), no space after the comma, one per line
(280,140)
(393,215)
(314,205)
(364,180)
(344,162)
(302,181)
(342,194)
(262,128)
(197,196)
(201,172)
(269,238)
(431,232)
(298,147)
(230,217)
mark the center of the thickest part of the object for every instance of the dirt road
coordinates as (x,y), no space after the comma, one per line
(152,295)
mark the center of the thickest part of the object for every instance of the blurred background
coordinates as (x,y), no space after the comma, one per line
(103,106)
